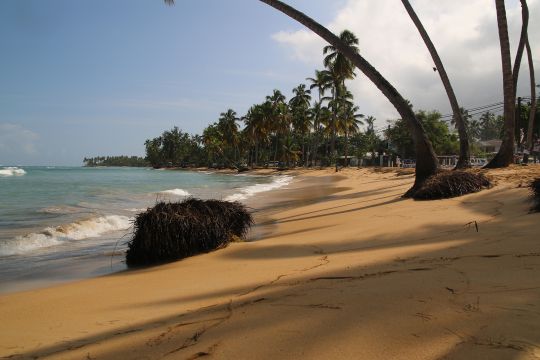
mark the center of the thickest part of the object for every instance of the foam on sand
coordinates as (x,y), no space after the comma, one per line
(249,191)
(51,236)
(11,171)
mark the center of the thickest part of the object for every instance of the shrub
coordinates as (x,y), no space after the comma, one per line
(172,231)
(447,184)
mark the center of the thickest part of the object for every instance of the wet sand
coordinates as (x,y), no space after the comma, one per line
(339,266)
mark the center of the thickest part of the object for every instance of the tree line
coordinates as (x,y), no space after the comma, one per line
(133,161)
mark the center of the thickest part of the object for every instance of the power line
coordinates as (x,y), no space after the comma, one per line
(483,107)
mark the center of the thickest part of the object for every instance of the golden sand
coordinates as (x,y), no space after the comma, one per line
(341,267)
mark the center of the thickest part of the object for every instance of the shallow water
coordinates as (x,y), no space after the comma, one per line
(64,223)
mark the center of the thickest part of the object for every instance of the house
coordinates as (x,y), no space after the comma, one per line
(490,146)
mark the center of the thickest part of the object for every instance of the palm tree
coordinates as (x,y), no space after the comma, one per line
(229,130)
(426,162)
(505,156)
(523,38)
(349,124)
(212,142)
(277,117)
(532,109)
(338,62)
(464,160)
(339,68)
(319,115)
(299,105)
(253,122)
(322,82)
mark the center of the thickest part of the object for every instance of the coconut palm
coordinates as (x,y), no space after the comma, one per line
(253,121)
(339,68)
(319,115)
(523,39)
(426,160)
(342,67)
(321,82)
(349,124)
(229,130)
(299,105)
(532,109)
(464,160)
(505,155)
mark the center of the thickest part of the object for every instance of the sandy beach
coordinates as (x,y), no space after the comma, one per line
(339,266)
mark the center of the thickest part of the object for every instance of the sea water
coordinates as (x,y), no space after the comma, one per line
(66,223)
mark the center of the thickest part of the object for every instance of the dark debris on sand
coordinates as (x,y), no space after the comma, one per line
(172,231)
(447,184)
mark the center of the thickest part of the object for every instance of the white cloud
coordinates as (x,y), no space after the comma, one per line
(16,140)
(465,34)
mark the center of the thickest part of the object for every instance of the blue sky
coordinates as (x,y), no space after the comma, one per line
(98,77)
(85,78)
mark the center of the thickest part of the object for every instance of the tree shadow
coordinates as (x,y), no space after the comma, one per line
(442,290)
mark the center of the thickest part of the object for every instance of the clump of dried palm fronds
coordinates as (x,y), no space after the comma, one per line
(447,184)
(172,231)
(535,189)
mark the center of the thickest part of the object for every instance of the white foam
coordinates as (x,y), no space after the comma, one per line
(137,210)
(78,230)
(12,171)
(249,191)
(176,192)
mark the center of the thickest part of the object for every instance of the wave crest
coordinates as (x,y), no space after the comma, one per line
(176,192)
(249,191)
(12,171)
(77,230)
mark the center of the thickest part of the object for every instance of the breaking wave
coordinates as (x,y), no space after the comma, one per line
(176,192)
(77,230)
(249,191)
(11,171)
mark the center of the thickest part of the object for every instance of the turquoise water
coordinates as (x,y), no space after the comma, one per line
(62,223)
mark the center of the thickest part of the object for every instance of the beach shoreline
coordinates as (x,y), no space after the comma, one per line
(338,266)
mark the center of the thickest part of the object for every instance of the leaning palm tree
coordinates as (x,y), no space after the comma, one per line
(505,156)
(532,109)
(426,160)
(523,39)
(464,160)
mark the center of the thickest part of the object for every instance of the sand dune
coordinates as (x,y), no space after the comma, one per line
(340,267)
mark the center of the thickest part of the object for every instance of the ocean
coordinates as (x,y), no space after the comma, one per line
(60,224)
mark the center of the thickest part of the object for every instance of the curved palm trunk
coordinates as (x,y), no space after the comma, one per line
(532,110)
(426,160)
(464,160)
(505,155)
(522,40)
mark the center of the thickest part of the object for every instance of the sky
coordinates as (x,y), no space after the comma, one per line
(86,78)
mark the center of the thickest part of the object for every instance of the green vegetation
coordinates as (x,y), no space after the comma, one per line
(172,231)
(133,161)
(320,125)
(444,142)
(173,148)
